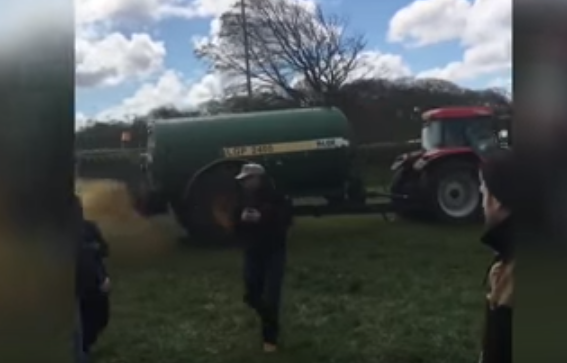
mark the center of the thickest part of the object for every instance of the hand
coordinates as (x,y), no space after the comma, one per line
(250,215)
(105,286)
(501,280)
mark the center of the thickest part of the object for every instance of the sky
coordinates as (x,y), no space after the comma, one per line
(135,55)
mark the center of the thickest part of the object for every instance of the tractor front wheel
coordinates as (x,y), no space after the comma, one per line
(453,192)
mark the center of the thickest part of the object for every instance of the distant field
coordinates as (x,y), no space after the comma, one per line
(358,289)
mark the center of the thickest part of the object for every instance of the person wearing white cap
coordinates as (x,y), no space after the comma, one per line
(251,170)
(262,220)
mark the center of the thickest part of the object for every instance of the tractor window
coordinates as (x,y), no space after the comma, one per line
(478,133)
(482,135)
(454,133)
(432,136)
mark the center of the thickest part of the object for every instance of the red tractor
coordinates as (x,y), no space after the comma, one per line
(441,181)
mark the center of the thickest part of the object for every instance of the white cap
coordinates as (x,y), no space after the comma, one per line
(250,169)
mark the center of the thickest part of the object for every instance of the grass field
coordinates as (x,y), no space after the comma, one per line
(358,289)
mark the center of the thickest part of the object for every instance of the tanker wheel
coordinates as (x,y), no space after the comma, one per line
(210,203)
(453,189)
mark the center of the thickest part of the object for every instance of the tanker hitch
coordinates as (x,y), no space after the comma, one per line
(401,197)
(383,204)
(355,209)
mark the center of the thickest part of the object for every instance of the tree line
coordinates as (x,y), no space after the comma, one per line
(299,56)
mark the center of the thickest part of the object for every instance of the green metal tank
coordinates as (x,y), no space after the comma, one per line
(307,151)
(191,163)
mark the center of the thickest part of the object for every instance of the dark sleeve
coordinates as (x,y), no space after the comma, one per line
(102,252)
(86,274)
(237,218)
(102,274)
(288,210)
(103,245)
(278,209)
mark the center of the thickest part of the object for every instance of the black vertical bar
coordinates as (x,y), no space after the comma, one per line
(36,189)
(540,131)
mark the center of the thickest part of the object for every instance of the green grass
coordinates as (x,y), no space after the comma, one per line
(357,290)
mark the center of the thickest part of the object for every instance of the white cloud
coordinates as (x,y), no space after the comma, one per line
(106,57)
(426,22)
(483,28)
(501,82)
(481,59)
(144,11)
(375,64)
(206,8)
(172,88)
(80,120)
(114,58)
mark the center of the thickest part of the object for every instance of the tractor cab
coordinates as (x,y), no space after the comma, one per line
(461,128)
(441,179)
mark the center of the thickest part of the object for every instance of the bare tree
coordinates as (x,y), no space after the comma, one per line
(288,43)
(504,93)
(168,112)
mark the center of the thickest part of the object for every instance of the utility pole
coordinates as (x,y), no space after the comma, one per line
(246,48)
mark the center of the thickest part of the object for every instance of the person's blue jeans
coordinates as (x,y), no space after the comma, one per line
(263,278)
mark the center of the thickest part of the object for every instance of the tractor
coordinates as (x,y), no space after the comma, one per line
(440,181)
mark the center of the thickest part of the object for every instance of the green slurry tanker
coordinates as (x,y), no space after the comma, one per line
(188,165)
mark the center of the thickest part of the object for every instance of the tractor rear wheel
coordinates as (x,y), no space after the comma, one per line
(453,192)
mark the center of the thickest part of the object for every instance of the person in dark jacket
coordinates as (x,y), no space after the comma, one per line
(95,302)
(262,220)
(85,278)
(497,175)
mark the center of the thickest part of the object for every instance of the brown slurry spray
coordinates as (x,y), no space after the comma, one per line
(130,236)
